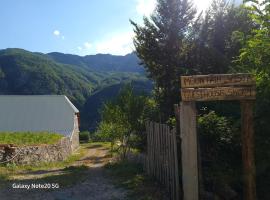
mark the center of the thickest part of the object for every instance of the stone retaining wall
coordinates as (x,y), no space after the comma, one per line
(33,154)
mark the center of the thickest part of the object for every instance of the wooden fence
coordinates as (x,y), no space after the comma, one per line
(161,161)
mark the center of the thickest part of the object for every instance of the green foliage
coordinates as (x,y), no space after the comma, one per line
(159,44)
(29,138)
(84,136)
(255,58)
(215,43)
(220,152)
(32,73)
(217,131)
(101,62)
(172,42)
(255,55)
(123,120)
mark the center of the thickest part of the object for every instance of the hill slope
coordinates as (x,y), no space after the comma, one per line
(94,103)
(101,62)
(23,72)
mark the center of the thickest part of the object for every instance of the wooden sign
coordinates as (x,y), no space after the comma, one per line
(216,80)
(218,87)
(219,93)
(212,88)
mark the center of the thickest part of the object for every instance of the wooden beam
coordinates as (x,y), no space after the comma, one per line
(219,93)
(216,80)
(248,150)
(189,151)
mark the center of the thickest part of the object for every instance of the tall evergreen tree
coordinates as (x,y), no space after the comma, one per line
(214,43)
(159,44)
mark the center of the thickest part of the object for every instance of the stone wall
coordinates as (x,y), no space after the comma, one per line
(75,135)
(33,154)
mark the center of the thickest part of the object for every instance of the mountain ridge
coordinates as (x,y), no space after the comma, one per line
(32,73)
(101,62)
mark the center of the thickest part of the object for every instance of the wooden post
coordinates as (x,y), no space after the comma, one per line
(189,151)
(248,150)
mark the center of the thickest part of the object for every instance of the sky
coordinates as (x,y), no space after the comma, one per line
(81,27)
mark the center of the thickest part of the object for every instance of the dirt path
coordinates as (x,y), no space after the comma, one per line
(93,183)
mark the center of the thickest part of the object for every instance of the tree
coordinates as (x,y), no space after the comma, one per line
(123,120)
(255,58)
(159,43)
(214,44)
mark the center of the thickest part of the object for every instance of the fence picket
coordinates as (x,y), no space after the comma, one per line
(161,161)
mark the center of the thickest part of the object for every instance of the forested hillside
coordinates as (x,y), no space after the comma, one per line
(101,62)
(25,73)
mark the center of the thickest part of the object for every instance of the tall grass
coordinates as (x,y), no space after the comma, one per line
(29,138)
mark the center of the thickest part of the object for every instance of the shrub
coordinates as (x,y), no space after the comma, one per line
(220,152)
(84,136)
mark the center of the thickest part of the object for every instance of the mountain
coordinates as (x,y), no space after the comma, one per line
(23,72)
(97,100)
(101,62)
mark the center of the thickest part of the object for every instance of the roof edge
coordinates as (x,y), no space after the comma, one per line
(71,104)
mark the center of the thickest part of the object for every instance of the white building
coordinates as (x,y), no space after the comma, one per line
(35,113)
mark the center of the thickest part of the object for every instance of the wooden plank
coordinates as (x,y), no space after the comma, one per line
(176,173)
(216,80)
(162,154)
(158,151)
(155,147)
(151,149)
(148,147)
(171,167)
(189,151)
(248,150)
(167,159)
(219,93)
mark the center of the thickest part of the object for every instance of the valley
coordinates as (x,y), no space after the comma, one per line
(86,80)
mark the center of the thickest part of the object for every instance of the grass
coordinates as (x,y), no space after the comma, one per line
(29,138)
(131,176)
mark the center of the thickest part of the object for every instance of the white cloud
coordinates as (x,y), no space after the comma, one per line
(56,33)
(118,44)
(145,7)
(87,45)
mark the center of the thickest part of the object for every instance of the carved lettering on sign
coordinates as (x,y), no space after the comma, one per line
(219,93)
(217,80)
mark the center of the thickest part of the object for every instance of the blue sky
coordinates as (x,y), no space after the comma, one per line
(73,26)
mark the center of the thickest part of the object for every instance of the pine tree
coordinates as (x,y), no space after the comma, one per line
(160,44)
(214,44)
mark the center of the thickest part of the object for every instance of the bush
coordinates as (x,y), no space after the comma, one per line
(220,152)
(84,136)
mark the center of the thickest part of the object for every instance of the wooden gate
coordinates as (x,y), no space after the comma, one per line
(216,87)
(161,160)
